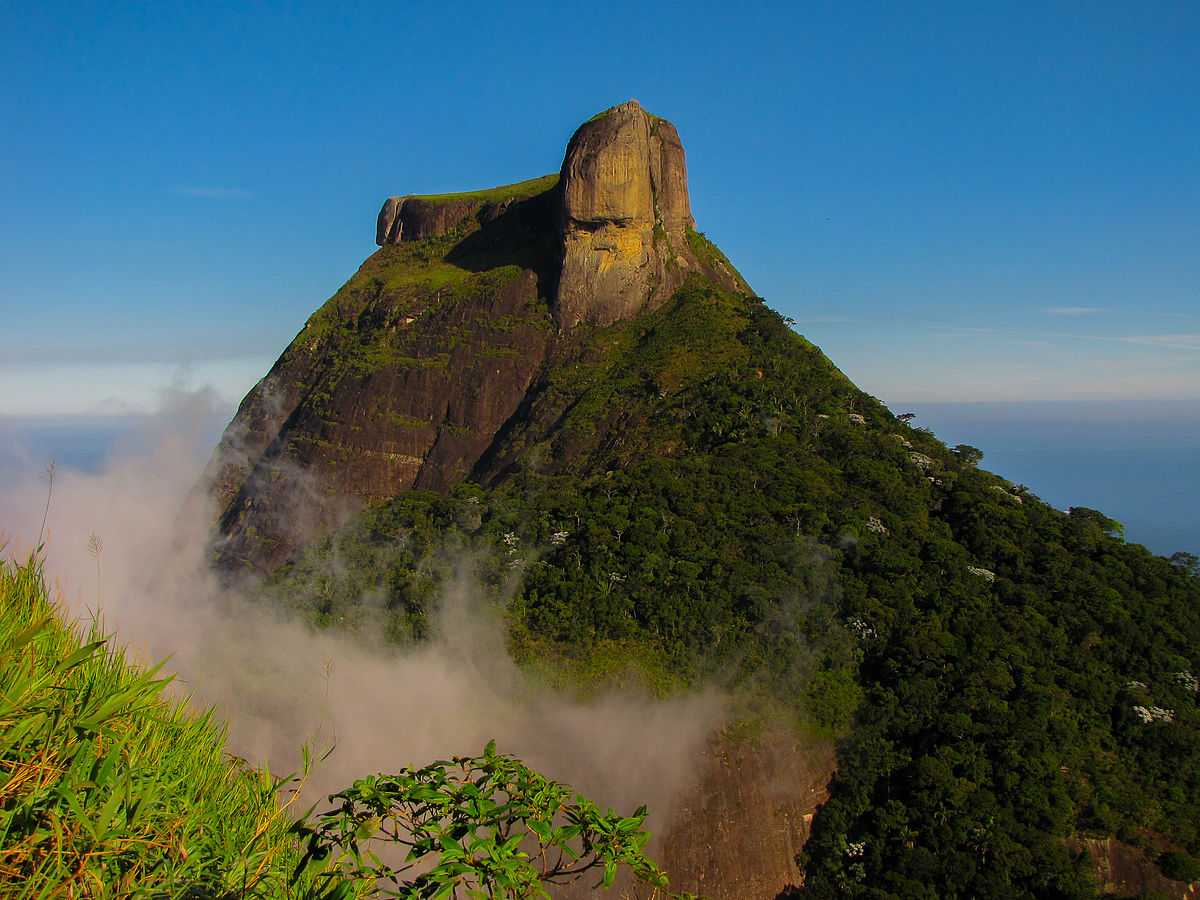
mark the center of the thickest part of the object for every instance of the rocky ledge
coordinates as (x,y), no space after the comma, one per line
(624,214)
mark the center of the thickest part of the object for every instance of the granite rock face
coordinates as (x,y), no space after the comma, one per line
(625,213)
(736,831)
(399,382)
(410,375)
(623,220)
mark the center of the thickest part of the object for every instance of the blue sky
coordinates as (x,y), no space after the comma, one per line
(957,202)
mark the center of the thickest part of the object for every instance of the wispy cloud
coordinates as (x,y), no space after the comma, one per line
(824,320)
(963,330)
(1172,341)
(1072,310)
(210,192)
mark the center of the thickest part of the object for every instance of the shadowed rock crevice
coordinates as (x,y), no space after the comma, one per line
(514,233)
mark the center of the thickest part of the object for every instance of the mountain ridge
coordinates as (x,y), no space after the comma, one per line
(658,473)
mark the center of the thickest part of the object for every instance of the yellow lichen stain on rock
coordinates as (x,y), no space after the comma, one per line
(621,179)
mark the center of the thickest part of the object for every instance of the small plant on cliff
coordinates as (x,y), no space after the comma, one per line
(489,825)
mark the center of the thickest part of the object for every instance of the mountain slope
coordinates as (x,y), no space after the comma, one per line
(683,486)
(402,379)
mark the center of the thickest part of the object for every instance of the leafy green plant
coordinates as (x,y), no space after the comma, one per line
(480,827)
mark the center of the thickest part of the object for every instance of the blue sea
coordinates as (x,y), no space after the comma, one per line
(1136,462)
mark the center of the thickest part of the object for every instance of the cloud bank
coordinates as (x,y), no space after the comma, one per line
(281,684)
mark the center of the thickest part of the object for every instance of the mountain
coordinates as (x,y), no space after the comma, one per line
(404,378)
(975,693)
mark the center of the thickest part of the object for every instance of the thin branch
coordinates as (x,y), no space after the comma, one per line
(49,494)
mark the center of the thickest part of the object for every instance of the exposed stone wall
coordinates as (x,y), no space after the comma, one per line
(415,219)
(625,211)
(1123,870)
(738,829)
(292,466)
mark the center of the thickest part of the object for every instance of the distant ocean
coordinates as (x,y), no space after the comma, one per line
(85,443)
(1136,462)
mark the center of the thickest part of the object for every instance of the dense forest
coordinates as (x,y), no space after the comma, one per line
(699,494)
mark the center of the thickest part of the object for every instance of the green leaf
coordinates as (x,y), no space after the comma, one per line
(80,656)
(610,872)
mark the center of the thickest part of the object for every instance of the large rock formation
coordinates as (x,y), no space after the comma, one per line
(406,376)
(625,214)
(684,479)
(624,217)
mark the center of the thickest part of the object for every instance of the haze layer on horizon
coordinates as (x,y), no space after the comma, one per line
(956,204)
(1132,459)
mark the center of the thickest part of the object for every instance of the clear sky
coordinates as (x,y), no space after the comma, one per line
(957,202)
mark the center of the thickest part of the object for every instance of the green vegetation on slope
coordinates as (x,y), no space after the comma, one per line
(106,788)
(518,191)
(406,275)
(1011,709)
(701,489)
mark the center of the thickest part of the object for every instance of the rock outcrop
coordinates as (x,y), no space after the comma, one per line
(418,217)
(438,383)
(624,218)
(1123,870)
(408,376)
(415,219)
(625,215)
(736,831)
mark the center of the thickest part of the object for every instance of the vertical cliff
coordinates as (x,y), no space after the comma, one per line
(625,214)
(400,381)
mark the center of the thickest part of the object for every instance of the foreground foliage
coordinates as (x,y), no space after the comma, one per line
(487,826)
(107,789)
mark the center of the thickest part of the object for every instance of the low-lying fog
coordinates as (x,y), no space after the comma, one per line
(280,684)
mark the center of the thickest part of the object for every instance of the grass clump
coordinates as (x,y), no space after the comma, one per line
(107,788)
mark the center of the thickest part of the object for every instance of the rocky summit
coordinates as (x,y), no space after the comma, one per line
(625,217)
(624,214)
(404,378)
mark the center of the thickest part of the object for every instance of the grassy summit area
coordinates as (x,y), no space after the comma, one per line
(520,190)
